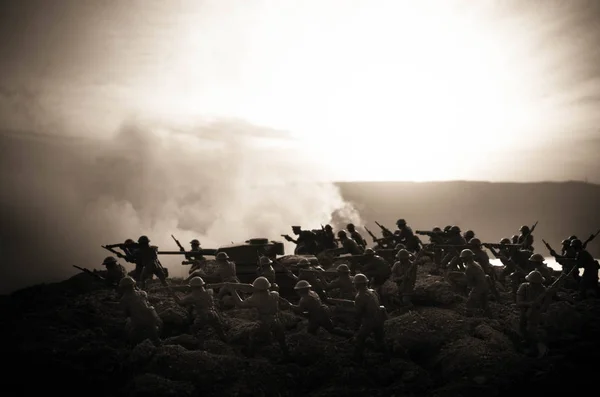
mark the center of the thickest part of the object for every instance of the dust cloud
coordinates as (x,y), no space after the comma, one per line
(62,198)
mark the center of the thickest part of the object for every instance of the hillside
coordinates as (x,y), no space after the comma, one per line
(492,210)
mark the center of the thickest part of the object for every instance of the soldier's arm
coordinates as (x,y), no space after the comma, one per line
(246,304)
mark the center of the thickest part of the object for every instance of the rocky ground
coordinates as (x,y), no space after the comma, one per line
(67,338)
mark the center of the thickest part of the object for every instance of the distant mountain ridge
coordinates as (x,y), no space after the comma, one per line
(492,209)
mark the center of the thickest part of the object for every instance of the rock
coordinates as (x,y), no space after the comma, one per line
(562,318)
(495,338)
(435,291)
(188,341)
(142,353)
(150,385)
(421,334)
(174,317)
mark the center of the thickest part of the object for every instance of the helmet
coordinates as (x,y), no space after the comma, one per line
(196,282)
(572,238)
(195,242)
(341,233)
(455,229)
(294,228)
(536,258)
(403,254)
(505,240)
(535,277)
(565,242)
(343,268)
(524,229)
(475,241)
(222,256)
(328,227)
(469,234)
(437,229)
(261,284)
(369,251)
(302,284)
(400,222)
(109,260)
(399,246)
(514,238)
(126,282)
(264,261)
(360,279)
(303,263)
(350,226)
(129,241)
(467,253)
(143,239)
(576,243)
(447,228)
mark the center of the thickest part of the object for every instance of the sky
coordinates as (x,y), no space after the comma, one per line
(373,90)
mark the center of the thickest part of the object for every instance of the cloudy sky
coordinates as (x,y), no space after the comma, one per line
(396,90)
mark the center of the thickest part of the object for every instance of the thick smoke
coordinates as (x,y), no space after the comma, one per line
(63,198)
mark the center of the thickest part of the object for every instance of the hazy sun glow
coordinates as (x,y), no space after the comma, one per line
(386,83)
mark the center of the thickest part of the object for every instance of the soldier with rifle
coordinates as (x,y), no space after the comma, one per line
(526,237)
(142,320)
(588,285)
(266,303)
(342,283)
(436,236)
(476,282)
(329,241)
(382,243)
(349,246)
(129,248)
(514,273)
(201,301)
(151,266)
(483,259)
(405,236)
(311,274)
(318,314)
(541,267)
(355,235)
(114,272)
(265,269)
(404,274)
(377,269)
(306,242)
(195,260)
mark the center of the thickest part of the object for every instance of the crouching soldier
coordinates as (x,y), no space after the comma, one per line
(226,271)
(343,283)
(532,299)
(266,304)
(142,320)
(114,271)
(476,282)
(265,269)
(202,302)
(370,316)
(318,313)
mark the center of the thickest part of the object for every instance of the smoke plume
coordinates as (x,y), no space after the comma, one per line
(62,198)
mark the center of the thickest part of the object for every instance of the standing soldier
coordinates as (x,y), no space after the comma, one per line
(195,259)
(406,237)
(202,302)
(266,304)
(404,274)
(350,246)
(477,282)
(540,266)
(226,271)
(343,283)
(532,300)
(146,255)
(525,238)
(356,236)
(266,270)
(142,320)
(376,269)
(318,313)
(483,259)
(329,241)
(583,259)
(114,270)
(370,317)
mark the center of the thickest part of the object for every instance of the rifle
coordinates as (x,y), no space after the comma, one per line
(288,238)
(111,249)
(375,239)
(531,229)
(548,246)
(430,233)
(450,246)
(592,236)
(209,251)
(91,273)
(500,246)
(552,288)
(384,229)
(178,243)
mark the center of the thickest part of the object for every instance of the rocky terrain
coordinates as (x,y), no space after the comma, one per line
(67,338)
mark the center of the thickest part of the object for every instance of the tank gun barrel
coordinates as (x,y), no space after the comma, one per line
(199,252)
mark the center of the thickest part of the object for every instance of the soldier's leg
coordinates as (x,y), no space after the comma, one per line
(144,275)
(158,272)
(361,337)
(379,336)
(523,324)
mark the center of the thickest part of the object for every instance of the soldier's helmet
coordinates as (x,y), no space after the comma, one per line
(469,234)
(475,241)
(572,238)
(576,243)
(536,258)
(455,229)
(403,254)
(524,229)
(195,242)
(341,233)
(369,252)
(143,240)
(265,261)
(109,260)
(565,243)
(296,228)
(360,279)
(303,263)
(129,242)
(343,268)
(535,277)
(126,282)
(196,282)
(505,240)
(222,256)
(328,227)
(302,284)
(466,253)
(350,226)
(437,229)
(261,284)
(447,228)
(401,222)
(399,246)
